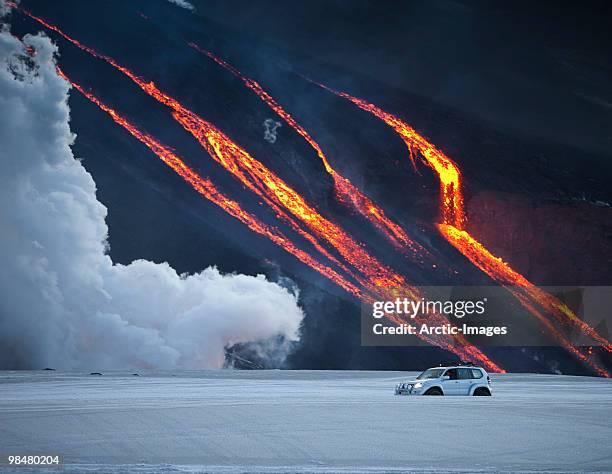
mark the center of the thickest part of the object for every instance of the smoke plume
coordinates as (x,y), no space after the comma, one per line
(270,127)
(63,303)
(183,4)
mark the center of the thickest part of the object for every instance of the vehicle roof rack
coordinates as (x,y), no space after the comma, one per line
(456,364)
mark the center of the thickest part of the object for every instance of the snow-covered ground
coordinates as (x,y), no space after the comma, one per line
(302,421)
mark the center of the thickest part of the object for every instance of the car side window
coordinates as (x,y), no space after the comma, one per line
(476,374)
(452,374)
(464,373)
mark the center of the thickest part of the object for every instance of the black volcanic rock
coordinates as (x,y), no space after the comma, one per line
(550,243)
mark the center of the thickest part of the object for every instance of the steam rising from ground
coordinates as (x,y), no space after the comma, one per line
(270,127)
(183,4)
(63,303)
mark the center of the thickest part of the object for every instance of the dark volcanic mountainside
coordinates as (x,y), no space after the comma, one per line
(549,243)
(521,181)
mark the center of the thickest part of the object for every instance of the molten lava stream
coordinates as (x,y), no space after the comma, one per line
(255,176)
(528,294)
(453,221)
(208,190)
(264,183)
(347,192)
(449,175)
(152,90)
(451,199)
(379,278)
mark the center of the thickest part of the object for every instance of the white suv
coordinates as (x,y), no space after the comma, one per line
(453,380)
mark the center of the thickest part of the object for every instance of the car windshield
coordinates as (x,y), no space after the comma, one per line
(430,374)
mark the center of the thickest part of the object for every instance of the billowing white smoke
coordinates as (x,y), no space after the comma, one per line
(63,303)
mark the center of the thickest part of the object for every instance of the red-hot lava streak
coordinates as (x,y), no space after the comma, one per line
(524,291)
(256,177)
(347,192)
(451,199)
(505,275)
(207,189)
(184,117)
(452,228)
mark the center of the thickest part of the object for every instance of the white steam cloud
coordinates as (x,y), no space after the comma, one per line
(183,4)
(270,127)
(63,303)
(6,9)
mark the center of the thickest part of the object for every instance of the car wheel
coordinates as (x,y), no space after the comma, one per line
(434,391)
(482,392)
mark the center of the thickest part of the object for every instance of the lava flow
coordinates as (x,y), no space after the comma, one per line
(152,90)
(452,228)
(346,191)
(525,292)
(255,176)
(460,346)
(207,189)
(451,199)
(379,279)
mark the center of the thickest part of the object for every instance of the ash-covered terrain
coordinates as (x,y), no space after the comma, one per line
(302,421)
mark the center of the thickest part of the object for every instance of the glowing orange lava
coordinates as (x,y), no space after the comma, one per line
(152,90)
(346,191)
(460,346)
(379,279)
(207,189)
(256,177)
(528,294)
(452,228)
(451,199)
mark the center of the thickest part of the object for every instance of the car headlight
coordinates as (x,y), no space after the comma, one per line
(418,385)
